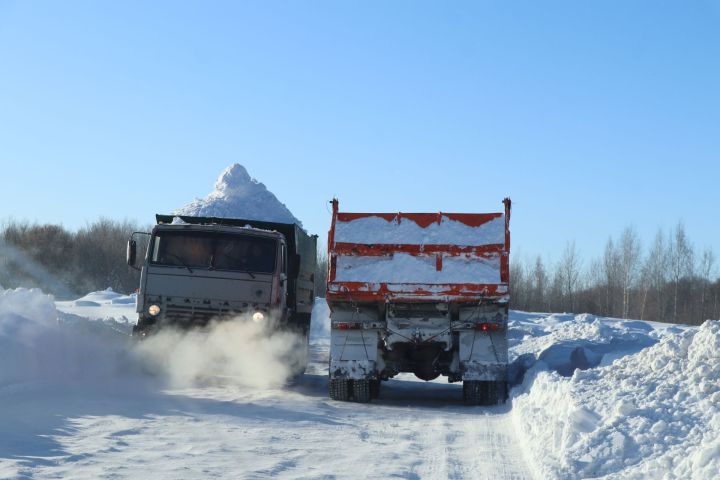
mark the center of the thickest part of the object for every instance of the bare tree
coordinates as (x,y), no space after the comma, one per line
(656,268)
(518,285)
(681,262)
(570,273)
(707,262)
(321,273)
(611,268)
(629,263)
(540,284)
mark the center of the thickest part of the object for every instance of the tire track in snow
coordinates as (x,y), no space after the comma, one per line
(415,430)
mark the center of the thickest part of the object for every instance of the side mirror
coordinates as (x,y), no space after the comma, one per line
(131,252)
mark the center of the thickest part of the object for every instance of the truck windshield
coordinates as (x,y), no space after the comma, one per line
(214,250)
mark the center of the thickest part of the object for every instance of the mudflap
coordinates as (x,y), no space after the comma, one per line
(483,367)
(353,368)
(483,356)
(354,354)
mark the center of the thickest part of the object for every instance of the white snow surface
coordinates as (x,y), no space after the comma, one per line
(237,195)
(648,412)
(406,268)
(78,402)
(103,305)
(376,230)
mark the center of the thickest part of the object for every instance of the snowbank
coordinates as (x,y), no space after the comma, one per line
(38,343)
(237,195)
(106,305)
(650,414)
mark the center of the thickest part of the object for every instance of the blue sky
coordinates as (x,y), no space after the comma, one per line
(590,115)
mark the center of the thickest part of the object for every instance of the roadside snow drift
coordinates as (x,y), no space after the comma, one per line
(651,414)
(37,344)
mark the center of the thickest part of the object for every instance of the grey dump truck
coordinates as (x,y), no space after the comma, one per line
(202,269)
(424,293)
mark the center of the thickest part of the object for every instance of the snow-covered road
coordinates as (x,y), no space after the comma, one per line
(594,397)
(128,427)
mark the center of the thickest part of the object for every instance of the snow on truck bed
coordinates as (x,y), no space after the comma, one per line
(402,250)
(378,230)
(405,268)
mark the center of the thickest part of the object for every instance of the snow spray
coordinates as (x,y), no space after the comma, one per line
(237,351)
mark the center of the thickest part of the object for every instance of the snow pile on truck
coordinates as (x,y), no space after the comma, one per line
(237,195)
(425,293)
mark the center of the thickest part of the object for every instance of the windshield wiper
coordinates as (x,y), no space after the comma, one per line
(180,260)
(249,273)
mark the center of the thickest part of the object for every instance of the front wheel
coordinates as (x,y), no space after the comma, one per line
(339,389)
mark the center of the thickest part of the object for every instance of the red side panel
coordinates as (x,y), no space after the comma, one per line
(418,256)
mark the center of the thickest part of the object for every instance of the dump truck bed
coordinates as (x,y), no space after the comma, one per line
(418,257)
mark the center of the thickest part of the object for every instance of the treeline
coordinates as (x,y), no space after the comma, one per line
(667,281)
(70,264)
(67,263)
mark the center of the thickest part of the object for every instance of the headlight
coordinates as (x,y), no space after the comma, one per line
(154,310)
(258,317)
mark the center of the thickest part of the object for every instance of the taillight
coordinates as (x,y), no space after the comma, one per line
(347,325)
(489,327)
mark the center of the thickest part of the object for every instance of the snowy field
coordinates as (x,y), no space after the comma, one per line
(593,397)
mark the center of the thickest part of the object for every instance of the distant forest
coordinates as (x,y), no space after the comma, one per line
(70,264)
(666,281)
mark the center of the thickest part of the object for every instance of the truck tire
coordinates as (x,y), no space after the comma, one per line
(374,388)
(361,391)
(339,389)
(476,392)
(473,392)
(502,392)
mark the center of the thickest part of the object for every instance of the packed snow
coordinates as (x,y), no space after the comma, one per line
(592,397)
(406,268)
(109,305)
(237,195)
(376,230)
(652,413)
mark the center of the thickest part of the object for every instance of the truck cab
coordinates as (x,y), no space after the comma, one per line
(197,270)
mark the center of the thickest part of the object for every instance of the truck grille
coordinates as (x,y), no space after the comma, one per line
(194,314)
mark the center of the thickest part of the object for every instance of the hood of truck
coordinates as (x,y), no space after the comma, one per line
(177,284)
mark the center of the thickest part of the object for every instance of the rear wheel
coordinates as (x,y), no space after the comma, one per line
(502,392)
(339,389)
(361,391)
(476,392)
(374,388)
(472,392)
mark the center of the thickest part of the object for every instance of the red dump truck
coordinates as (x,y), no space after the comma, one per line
(425,293)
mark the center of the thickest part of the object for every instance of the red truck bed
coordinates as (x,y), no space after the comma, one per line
(419,257)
